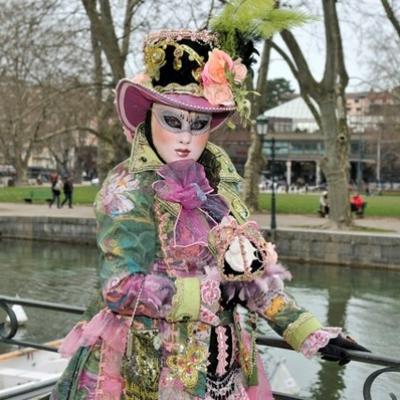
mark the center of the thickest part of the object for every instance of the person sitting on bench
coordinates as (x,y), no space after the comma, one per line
(357,204)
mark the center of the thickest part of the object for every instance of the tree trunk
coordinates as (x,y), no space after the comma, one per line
(255,161)
(104,39)
(335,163)
(329,94)
(252,171)
(21,173)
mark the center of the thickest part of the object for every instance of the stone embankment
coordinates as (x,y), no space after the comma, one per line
(358,249)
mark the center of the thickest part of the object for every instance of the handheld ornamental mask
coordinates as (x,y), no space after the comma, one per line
(237,260)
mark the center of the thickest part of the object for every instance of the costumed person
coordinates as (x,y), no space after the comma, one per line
(177,253)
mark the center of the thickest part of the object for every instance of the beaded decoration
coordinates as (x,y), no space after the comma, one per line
(186,365)
(229,388)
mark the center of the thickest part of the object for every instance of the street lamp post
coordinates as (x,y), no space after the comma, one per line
(359,130)
(273,198)
(262,130)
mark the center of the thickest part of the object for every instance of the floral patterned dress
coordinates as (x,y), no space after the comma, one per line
(168,327)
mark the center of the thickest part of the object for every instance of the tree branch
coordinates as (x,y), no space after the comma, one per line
(261,87)
(391,16)
(129,11)
(334,62)
(303,91)
(103,29)
(289,62)
(70,129)
(303,71)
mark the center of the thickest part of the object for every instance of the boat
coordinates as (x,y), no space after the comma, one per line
(29,374)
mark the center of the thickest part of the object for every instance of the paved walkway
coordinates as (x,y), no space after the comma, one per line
(283,220)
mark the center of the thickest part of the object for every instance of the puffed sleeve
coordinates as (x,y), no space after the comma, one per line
(127,238)
(251,273)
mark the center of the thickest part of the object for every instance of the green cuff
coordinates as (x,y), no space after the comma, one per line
(186,301)
(298,331)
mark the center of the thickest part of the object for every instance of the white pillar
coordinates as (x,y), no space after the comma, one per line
(288,173)
(317,173)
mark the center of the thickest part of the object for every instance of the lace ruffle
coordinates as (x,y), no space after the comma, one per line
(318,339)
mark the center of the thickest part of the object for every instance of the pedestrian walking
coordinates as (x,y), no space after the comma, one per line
(56,187)
(68,188)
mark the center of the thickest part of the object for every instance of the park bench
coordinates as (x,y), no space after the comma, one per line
(360,211)
(35,195)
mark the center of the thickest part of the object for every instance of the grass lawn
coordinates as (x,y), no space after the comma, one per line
(81,195)
(377,206)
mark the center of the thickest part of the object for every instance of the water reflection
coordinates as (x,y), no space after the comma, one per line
(46,271)
(365,302)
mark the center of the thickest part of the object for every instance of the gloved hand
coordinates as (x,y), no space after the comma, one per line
(336,349)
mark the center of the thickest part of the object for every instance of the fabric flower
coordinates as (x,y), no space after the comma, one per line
(215,68)
(113,195)
(141,79)
(219,75)
(185,366)
(239,71)
(219,94)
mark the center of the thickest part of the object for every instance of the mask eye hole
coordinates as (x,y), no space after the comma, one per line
(199,124)
(172,121)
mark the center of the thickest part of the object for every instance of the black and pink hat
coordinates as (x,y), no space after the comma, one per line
(183,69)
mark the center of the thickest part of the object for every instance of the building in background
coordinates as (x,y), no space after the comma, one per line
(299,146)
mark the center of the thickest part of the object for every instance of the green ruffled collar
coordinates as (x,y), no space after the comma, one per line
(143,158)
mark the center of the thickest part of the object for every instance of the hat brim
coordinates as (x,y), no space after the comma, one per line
(134,100)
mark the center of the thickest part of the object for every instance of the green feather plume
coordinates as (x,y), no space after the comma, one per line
(249,20)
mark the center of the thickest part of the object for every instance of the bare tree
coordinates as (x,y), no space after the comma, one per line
(255,161)
(111,34)
(327,102)
(38,61)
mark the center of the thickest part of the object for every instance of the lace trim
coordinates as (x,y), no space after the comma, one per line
(229,388)
(222,350)
(318,340)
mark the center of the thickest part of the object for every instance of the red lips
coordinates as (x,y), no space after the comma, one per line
(182,152)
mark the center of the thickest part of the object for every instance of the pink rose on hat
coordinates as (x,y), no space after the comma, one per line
(215,77)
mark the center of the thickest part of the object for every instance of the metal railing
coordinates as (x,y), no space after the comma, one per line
(389,364)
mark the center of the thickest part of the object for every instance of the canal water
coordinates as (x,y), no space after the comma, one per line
(365,302)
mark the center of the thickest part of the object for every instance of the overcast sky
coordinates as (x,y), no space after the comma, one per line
(358,19)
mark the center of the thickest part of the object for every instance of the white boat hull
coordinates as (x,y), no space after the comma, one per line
(26,372)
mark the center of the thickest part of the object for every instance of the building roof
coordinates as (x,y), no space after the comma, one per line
(298,111)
